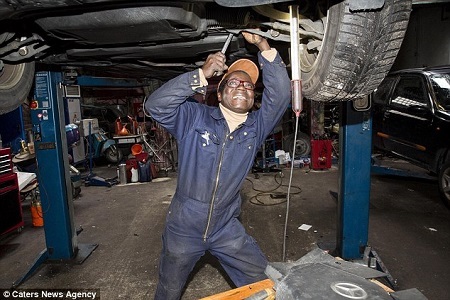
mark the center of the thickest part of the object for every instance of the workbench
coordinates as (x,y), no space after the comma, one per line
(124,142)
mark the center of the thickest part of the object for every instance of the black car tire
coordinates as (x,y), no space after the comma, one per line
(302,145)
(15,85)
(113,155)
(357,51)
(444,183)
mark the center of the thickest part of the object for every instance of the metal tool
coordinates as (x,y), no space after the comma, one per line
(227,43)
(224,49)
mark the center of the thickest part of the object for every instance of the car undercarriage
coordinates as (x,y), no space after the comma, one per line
(346,47)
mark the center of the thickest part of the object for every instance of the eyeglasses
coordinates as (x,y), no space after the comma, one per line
(234,83)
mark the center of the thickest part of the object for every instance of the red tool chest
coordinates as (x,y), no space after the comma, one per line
(10,205)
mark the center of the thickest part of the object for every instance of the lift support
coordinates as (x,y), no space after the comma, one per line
(354,181)
(47,116)
(355,167)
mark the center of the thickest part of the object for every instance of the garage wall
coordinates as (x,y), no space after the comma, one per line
(427,39)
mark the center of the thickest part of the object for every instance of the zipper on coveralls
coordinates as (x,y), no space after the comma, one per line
(211,206)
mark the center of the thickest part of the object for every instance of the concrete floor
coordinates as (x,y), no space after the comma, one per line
(409,229)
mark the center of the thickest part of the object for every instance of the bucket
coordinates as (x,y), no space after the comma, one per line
(36,214)
(122,173)
(136,149)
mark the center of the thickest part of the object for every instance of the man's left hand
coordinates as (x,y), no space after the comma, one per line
(257,40)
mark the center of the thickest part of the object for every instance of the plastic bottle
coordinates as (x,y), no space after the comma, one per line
(134,175)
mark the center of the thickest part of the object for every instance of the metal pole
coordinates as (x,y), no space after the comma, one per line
(355,140)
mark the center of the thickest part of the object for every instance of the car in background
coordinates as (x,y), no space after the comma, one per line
(411,119)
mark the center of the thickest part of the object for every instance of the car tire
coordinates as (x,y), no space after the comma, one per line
(302,144)
(444,183)
(357,51)
(15,85)
(113,155)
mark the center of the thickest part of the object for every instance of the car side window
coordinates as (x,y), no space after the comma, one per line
(410,91)
(441,88)
(382,92)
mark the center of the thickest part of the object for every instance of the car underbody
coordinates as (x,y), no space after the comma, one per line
(346,47)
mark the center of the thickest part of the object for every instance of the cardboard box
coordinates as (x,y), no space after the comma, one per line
(85,126)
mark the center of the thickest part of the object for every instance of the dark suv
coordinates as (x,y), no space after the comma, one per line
(411,118)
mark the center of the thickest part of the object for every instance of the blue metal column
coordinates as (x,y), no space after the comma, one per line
(53,166)
(355,147)
(53,175)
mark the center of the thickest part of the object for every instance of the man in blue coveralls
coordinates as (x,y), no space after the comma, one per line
(216,150)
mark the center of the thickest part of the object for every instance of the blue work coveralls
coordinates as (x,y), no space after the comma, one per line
(212,166)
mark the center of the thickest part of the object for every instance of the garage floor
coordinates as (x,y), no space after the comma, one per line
(409,229)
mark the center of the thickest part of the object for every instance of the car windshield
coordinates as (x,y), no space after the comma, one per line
(441,87)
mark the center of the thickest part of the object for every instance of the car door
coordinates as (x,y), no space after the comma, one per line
(408,118)
(381,99)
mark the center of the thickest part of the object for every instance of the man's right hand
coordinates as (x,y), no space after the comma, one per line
(214,65)
(257,40)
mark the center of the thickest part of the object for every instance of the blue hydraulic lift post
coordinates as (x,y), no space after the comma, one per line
(48,122)
(355,147)
(54,176)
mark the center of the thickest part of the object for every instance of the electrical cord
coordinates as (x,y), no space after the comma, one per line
(257,201)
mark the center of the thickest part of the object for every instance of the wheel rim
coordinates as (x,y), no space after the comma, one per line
(312,34)
(310,49)
(301,147)
(113,155)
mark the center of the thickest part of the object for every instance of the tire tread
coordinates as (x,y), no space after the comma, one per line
(365,49)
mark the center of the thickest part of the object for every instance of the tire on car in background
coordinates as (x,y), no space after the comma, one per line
(302,144)
(444,183)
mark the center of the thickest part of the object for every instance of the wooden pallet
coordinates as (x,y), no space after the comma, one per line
(264,286)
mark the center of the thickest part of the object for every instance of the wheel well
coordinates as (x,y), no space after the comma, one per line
(442,157)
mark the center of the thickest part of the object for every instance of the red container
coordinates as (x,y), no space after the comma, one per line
(321,154)
(36,214)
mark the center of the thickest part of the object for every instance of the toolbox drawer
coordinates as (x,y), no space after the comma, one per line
(6,166)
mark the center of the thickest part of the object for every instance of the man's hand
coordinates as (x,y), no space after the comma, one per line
(214,65)
(257,40)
